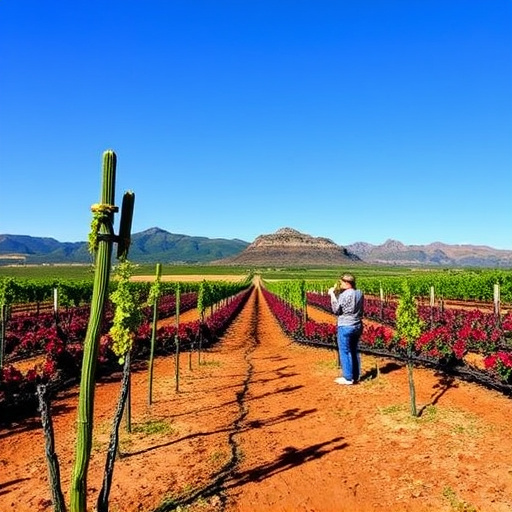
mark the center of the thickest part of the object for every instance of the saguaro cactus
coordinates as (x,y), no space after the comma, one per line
(101,242)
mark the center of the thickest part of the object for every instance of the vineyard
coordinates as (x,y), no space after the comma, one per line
(54,337)
(220,328)
(150,395)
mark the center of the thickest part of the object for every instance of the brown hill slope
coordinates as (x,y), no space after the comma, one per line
(289,247)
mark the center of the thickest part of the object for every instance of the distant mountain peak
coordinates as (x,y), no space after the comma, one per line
(153,231)
(393,244)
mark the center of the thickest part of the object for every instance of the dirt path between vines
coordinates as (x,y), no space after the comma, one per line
(260,425)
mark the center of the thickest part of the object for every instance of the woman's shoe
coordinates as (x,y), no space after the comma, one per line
(342,380)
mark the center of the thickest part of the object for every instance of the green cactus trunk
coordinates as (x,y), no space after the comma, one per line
(78,492)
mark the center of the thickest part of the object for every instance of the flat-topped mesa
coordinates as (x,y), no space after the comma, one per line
(292,238)
(288,246)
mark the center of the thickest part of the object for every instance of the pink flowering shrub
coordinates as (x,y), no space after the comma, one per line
(380,337)
(289,317)
(507,322)
(320,332)
(435,343)
(500,363)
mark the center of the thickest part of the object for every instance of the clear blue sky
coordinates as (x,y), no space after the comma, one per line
(353,120)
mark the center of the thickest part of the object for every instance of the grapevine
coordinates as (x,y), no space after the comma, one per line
(201,299)
(156,289)
(127,313)
(100,215)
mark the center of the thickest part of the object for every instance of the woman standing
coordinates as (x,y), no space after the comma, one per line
(349,307)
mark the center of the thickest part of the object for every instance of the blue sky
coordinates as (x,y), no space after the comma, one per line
(352,120)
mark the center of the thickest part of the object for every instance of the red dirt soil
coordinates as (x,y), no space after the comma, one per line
(260,425)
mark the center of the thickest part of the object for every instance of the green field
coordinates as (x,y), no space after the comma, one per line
(87,271)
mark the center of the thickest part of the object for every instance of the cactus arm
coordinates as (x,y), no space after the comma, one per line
(125,225)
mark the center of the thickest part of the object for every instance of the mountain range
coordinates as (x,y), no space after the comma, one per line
(286,247)
(393,252)
(153,245)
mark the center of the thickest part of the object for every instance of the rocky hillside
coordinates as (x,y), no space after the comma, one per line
(289,247)
(393,252)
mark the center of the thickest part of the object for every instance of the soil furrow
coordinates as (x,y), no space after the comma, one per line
(243,334)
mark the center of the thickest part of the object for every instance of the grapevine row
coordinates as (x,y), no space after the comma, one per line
(447,342)
(456,285)
(62,344)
